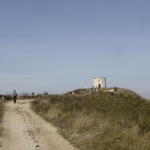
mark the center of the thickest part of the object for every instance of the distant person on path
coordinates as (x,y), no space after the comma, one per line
(14,96)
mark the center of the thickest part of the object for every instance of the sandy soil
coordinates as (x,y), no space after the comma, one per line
(24,130)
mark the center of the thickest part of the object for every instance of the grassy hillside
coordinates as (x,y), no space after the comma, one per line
(98,120)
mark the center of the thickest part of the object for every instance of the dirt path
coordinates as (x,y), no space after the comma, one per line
(24,130)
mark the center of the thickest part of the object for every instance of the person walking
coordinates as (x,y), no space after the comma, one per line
(15,96)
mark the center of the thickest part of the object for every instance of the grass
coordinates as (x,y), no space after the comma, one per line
(98,120)
(1,114)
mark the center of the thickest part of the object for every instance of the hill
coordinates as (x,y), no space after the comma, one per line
(101,120)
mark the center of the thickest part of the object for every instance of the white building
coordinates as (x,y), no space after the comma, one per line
(99,82)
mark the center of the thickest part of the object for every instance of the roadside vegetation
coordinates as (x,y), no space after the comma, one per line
(99,120)
(1,114)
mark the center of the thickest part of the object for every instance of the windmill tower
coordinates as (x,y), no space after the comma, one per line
(99,83)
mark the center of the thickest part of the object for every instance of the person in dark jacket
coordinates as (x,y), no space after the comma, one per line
(15,96)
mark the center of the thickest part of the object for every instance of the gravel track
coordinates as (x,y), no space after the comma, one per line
(25,130)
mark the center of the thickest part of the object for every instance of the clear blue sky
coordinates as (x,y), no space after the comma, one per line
(59,45)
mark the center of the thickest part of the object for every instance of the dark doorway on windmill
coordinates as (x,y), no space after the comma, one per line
(99,86)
